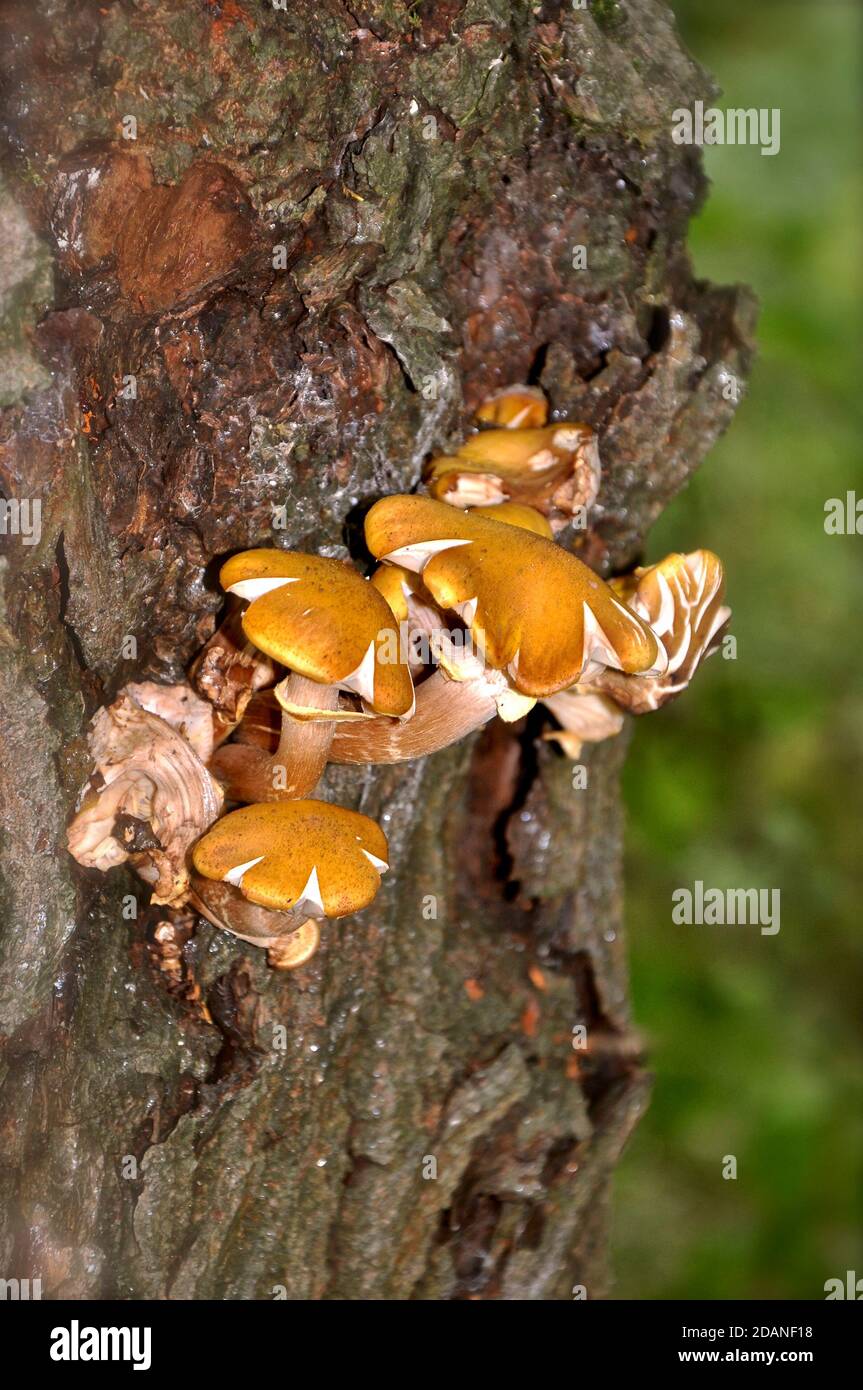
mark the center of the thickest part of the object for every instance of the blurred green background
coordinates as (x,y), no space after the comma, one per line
(753,779)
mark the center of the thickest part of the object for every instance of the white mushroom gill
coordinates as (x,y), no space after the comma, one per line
(570,439)
(310,900)
(466,610)
(664,621)
(541,460)
(235,876)
(416,557)
(597,644)
(254,588)
(474,490)
(362,679)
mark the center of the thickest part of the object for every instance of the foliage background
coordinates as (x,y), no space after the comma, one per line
(754,778)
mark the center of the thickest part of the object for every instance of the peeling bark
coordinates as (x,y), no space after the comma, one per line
(427,171)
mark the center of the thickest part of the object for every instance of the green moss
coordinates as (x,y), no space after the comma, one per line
(25,290)
(609,14)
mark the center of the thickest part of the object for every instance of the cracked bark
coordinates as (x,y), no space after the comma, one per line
(428,171)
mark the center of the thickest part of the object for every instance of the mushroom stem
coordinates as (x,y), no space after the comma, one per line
(261,725)
(446,711)
(250,774)
(289,942)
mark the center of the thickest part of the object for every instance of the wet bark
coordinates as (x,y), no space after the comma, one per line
(336,229)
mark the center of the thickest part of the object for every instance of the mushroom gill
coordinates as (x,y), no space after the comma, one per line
(149,798)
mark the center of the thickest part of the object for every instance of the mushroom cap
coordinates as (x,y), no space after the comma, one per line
(324,621)
(290,952)
(507,451)
(516,407)
(463,484)
(555,468)
(681,598)
(535,610)
(303,856)
(517,514)
(391,581)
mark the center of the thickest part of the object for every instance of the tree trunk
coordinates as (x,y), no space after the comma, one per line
(291,250)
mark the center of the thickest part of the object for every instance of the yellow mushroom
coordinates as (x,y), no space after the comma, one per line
(334,631)
(422,622)
(535,609)
(414,611)
(395,585)
(539,621)
(554,469)
(514,407)
(517,514)
(681,598)
(270,873)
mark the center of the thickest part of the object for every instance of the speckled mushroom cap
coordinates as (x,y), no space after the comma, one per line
(301,856)
(324,621)
(516,514)
(397,584)
(536,611)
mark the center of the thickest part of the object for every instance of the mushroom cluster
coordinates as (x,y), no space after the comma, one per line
(474,611)
(520,458)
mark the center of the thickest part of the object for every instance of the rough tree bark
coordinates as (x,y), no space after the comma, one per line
(429,170)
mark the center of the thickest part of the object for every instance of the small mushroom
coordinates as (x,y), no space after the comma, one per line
(554,469)
(333,631)
(681,598)
(539,619)
(150,796)
(515,407)
(397,586)
(411,606)
(270,873)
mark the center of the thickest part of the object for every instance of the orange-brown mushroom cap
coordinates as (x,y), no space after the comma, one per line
(324,621)
(516,407)
(517,514)
(302,856)
(395,584)
(555,468)
(532,450)
(534,609)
